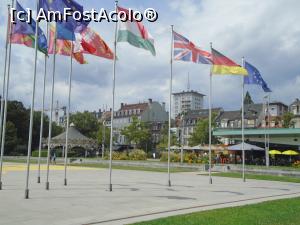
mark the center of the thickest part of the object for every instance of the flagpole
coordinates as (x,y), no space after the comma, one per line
(42,113)
(68,112)
(32,107)
(113,102)
(51,111)
(210,120)
(5,87)
(170,107)
(243,121)
(269,125)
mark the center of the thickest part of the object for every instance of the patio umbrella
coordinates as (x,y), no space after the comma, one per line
(197,147)
(247,147)
(274,152)
(290,152)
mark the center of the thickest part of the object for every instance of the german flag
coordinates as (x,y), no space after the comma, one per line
(222,65)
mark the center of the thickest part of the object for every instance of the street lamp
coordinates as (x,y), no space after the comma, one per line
(103,138)
(266,114)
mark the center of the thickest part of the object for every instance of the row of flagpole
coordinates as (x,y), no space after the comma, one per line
(42,112)
(5,98)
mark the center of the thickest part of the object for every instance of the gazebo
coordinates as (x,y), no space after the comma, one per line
(75,139)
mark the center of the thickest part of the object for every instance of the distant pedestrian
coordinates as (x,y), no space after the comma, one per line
(54,158)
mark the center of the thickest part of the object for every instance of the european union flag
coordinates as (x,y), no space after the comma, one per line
(59,5)
(29,29)
(254,77)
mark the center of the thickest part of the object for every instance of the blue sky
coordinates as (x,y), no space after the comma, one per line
(266,32)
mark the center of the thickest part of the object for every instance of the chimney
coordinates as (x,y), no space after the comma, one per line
(110,109)
(164,105)
(122,105)
(150,100)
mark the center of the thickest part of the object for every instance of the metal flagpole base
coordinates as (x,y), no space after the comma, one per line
(0,185)
(39,180)
(47,185)
(210,180)
(27,194)
(110,187)
(169,183)
(65,182)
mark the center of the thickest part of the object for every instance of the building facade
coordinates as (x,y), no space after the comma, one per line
(151,112)
(295,110)
(186,101)
(188,121)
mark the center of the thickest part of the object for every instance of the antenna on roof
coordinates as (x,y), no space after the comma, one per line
(188,82)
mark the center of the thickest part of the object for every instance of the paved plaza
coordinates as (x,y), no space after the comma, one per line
(136,196)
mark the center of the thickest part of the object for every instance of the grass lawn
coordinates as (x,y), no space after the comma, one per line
(141,168)
(279,212)
(117,167)
(259,177)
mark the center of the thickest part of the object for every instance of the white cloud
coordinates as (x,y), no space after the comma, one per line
(265,32)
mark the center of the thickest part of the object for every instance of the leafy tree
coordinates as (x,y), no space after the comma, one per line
(86,123)
(137,132)
(11,139)
(287,118)
(163,144)
(19,116)
(248,100)
(201,132)
(107,135)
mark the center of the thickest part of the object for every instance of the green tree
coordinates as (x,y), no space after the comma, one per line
(163,144)
(19,116)
(201,132)
(287,119)
(137,132)
(248,100)
(100,135)
(86,123)
(11,139)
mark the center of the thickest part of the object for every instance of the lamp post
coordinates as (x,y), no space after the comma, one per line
(182,138)
(267,120)
(103,138)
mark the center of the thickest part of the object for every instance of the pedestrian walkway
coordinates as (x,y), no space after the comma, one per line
(136,196)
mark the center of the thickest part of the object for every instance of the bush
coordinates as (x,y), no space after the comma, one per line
(187,157)
(137,154)
(118,156)
(174,157)
(35,153)
(296,164)
(21,150)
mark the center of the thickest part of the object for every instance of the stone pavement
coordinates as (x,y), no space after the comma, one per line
(136,196)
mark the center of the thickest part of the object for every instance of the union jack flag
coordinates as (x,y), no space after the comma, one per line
(185,50)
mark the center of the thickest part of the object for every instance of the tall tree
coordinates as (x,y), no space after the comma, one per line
(201,132)
(11,140)
(163,144)
(86,123)
(100,135)
(137,132)
(287,119)
(248,100)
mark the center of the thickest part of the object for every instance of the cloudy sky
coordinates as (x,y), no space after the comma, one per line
(266,33)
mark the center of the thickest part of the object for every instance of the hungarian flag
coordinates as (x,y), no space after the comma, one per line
(64,47)
(93,44)
(224,66)
(135,34)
